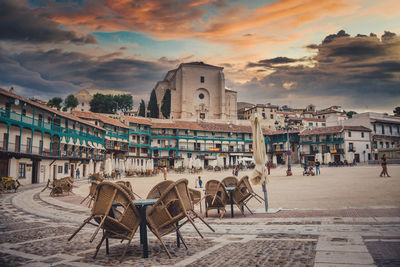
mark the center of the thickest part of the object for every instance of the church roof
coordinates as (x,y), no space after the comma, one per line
(199,63)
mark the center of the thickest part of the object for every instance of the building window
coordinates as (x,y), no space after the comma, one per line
(323,124)
(375,145)
(381,144)
(310,124)
(272,116)
(201,96)
(362,134)
(367,146)
(387,144)
(374,127)
(83,104)
(60,169)
(392,144)
(24,112)
(202,79)
(66,167)
(263,115)
(202,116)
(383,128)
(22,170)
(351,146)
(349,134)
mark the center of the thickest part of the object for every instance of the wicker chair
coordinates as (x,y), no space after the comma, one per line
(119,222)
(216,196)
(230,181)
(158,189)
(186,200)
(243,193)
(128,185)
(92,193)
(163,216)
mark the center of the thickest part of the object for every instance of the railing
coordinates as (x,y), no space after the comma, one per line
(48,126)
(117,134)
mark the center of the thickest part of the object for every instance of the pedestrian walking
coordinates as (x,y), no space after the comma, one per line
(165,173)
(269,167)
(200,182)
(77,173)
(384,167)
(317,167)
(236,173)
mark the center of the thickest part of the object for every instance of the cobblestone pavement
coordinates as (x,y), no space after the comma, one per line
(34,229)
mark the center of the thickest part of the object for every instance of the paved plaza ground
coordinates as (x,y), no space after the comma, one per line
(347,216)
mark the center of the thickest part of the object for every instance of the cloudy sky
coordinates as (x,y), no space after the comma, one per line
(295,52)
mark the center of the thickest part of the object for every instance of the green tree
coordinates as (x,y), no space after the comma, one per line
(153,107)
(142,109)
(350,114)
(396,111)
(103,104)
(166,104)
(71,102)
(124,102)
(55,102)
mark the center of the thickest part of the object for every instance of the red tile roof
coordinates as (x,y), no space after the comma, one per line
(60,113)
(184,125)
(100,117)
(333,129)
(314,119)
(137,120)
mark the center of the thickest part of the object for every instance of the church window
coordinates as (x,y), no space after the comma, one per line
(201,96)
(202,79)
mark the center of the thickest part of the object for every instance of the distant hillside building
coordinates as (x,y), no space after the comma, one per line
(198,92)
(84,98)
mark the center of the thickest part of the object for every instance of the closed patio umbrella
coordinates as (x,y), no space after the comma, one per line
(259,174)
(91,167)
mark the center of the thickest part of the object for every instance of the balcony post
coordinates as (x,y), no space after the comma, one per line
(20,137)
(32,139)
(41,147)
(8,135)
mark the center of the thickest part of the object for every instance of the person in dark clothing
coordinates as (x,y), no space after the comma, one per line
(200,182)
(384,167)
(317,167)
(269,167)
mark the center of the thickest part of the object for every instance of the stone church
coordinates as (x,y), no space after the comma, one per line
(198,92)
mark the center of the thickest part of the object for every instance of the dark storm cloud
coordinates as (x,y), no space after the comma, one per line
(56,72)
(22,24)
(363,69)
(273,61)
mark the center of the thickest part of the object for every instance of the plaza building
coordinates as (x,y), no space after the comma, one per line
(39,143)
(385,133)
(198,92)
(335,144)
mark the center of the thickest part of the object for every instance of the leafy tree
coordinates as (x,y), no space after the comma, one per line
(103,104)
(142,109)
(166,104)
(71,102)
(55,102)
(124,102)
(153,107)
(350,114)
(396,111)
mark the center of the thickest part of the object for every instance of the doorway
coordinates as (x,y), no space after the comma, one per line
(35,171)
(357,157)
(72,170)
(3,167)
(54,171)
(84,170)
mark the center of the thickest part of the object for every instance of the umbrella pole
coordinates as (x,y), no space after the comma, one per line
(264,188)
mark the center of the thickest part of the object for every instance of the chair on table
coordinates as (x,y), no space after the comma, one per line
(118,222)
(185,197)
(128,186)
(216,196)
(230,181)
(158,189)
(243,193)
(195,196)
(163,216)
(92,193)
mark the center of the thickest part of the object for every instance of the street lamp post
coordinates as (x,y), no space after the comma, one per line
(288,152)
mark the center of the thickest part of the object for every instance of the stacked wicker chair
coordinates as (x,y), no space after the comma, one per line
(118,223)
(92,193)
(164,215)
(230,181)
(158,189)
(128,186)
(244,192)
(216,196)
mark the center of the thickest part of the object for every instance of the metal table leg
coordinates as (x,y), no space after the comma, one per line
(107,247)
(205,204)
(143,231)
(231,197)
